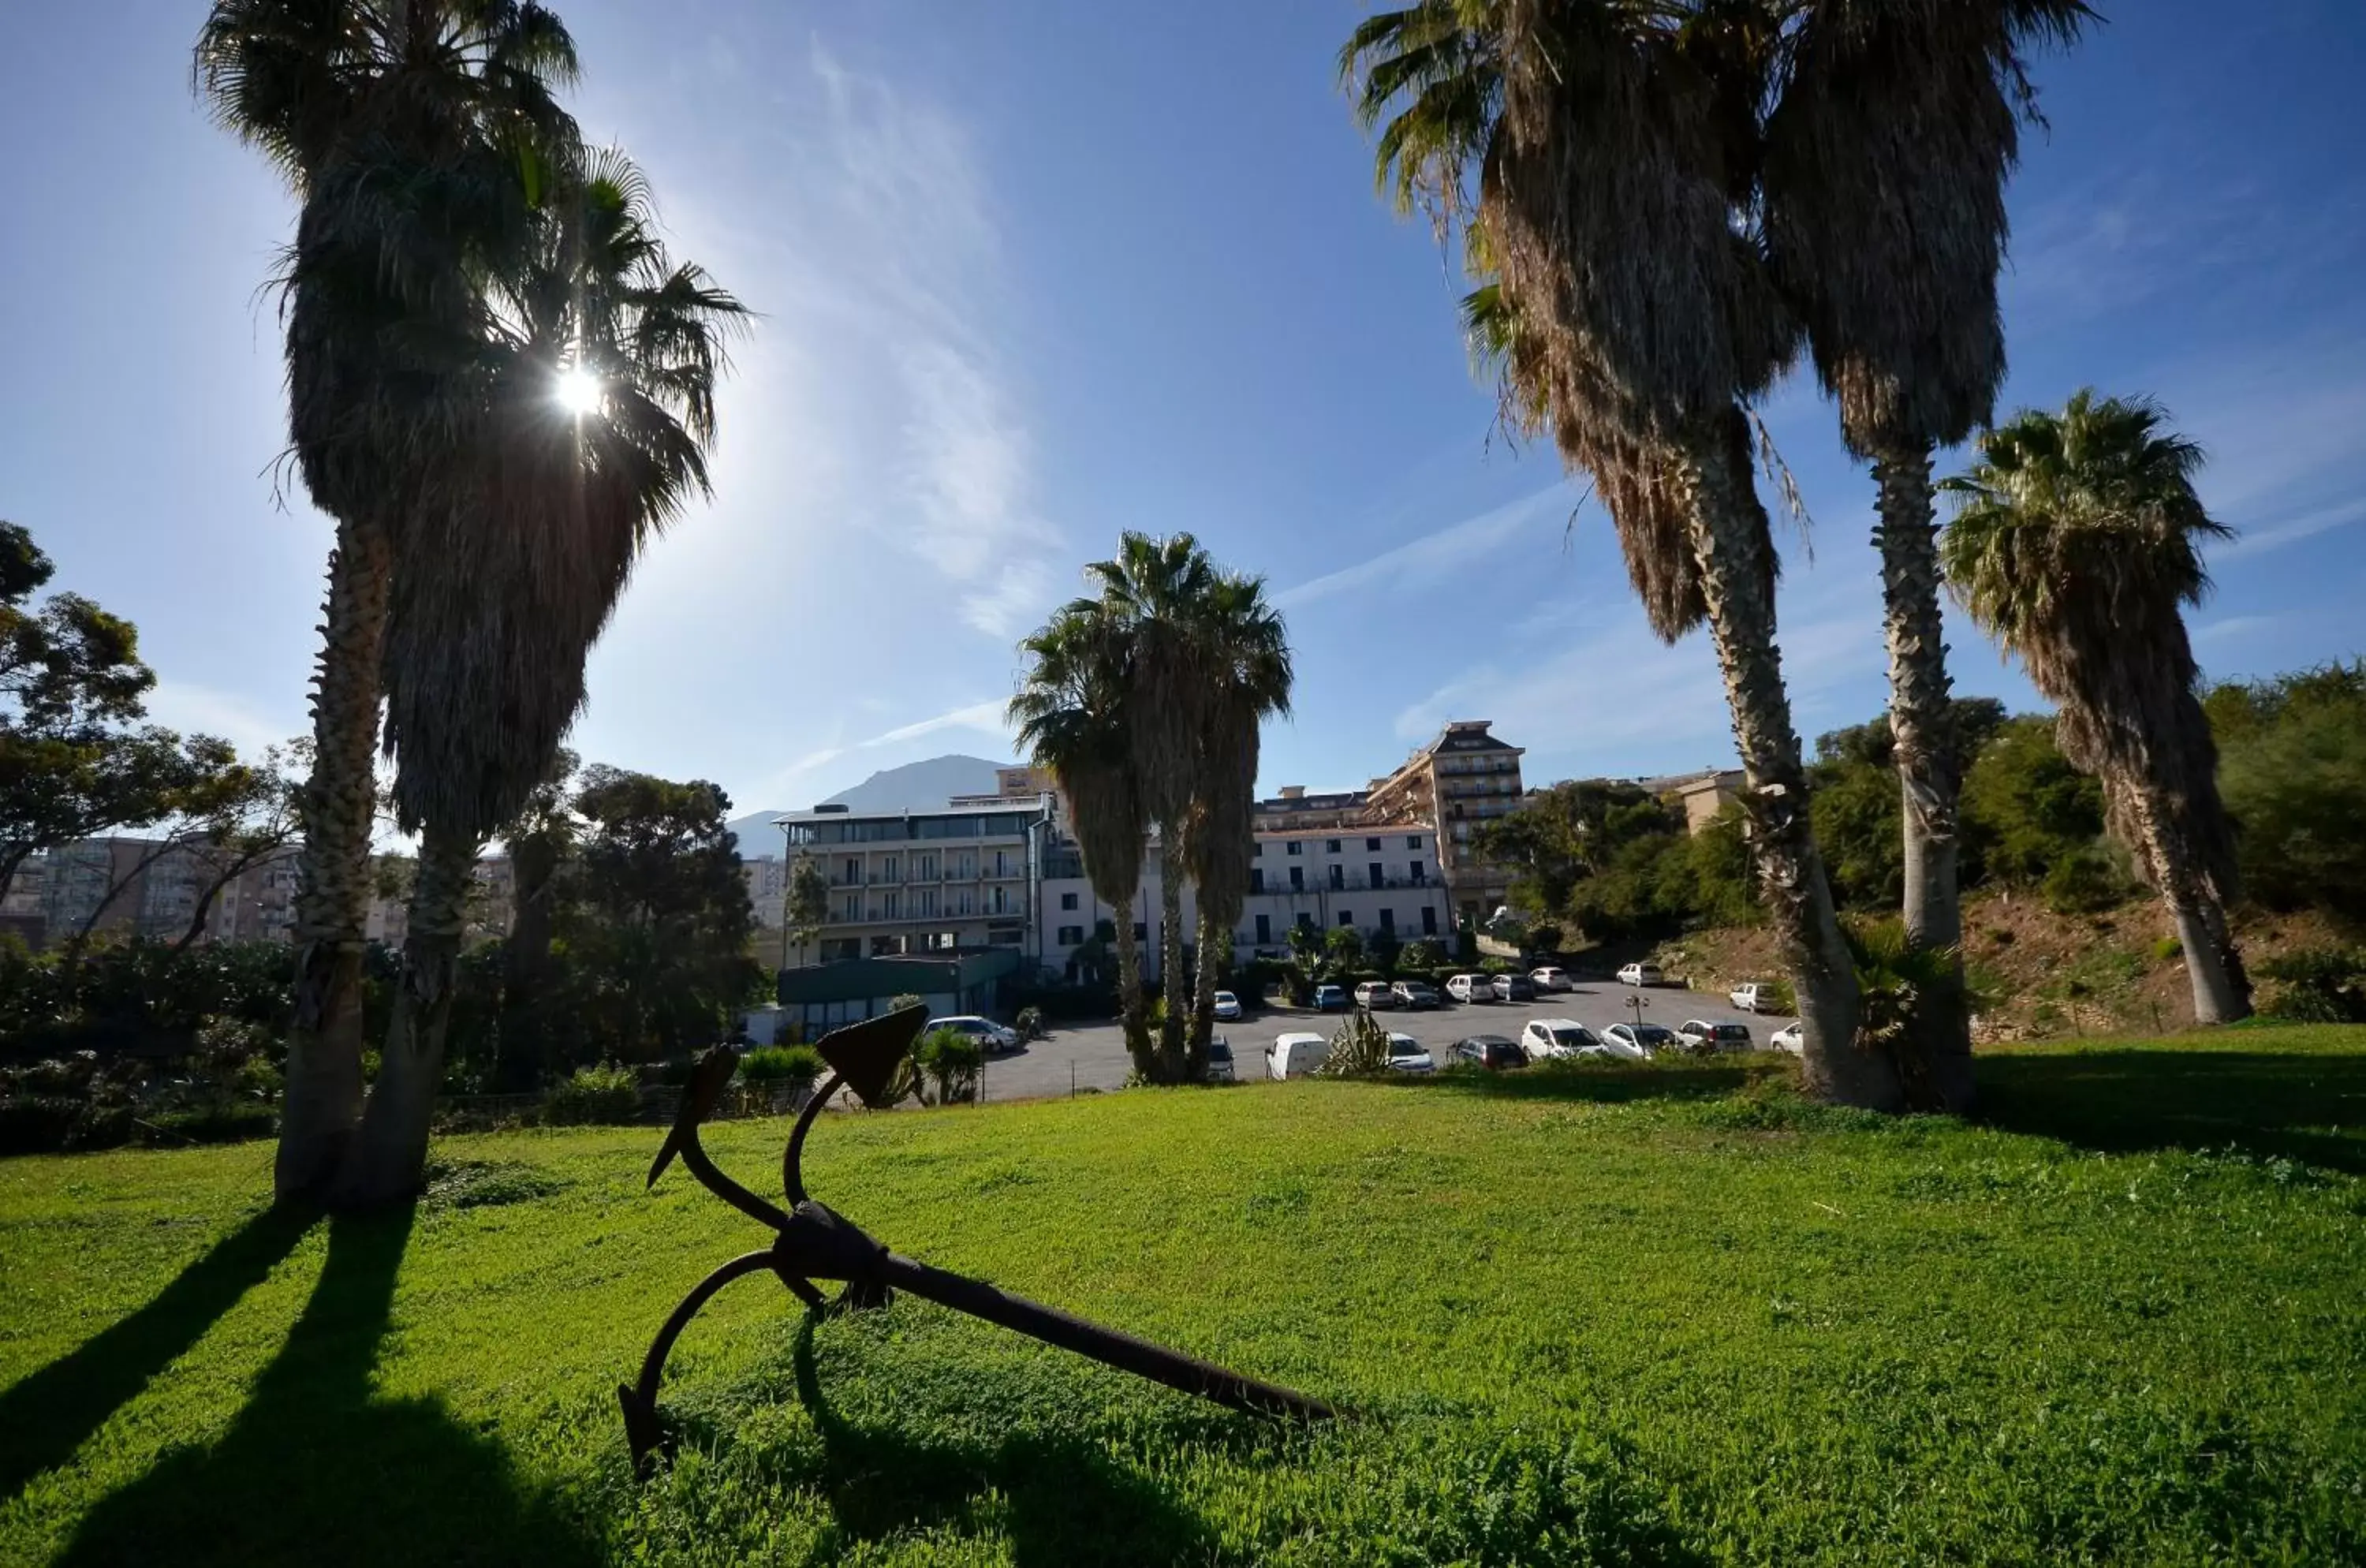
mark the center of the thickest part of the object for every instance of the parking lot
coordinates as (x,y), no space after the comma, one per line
(1082,1056)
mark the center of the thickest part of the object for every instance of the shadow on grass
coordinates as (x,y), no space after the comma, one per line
(1060,1498)
(2267,1104)
(317,1469)
(45,1418)
(1608,1083)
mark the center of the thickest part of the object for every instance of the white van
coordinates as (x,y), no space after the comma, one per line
(1295,1054)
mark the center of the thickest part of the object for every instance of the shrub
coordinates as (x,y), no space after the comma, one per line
(2083,883)
(1029,1021)
(1360,1050)
(2167,948)
(951,1061)
(2317,985)
(782,1064)
(607,1094)
(228,1122)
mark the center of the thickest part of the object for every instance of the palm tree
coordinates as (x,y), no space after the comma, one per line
(1886,162)
(1603,153)
(1155,594)
(2076,543)
(394,122)
(599,405)
(1070,715)
(1252,673)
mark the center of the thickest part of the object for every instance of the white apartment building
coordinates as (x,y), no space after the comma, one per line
(923,882)
(1320,875)
(768,887)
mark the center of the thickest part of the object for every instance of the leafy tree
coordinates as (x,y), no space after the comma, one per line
(1568,833)
(1344,947)
(2077,543)
(1598,162)
(1423,956)
(2026,810)
(400,128)
(1385,950)
(1882,194)
(1855,806)
(2292,770)
(657,921)
(805,905)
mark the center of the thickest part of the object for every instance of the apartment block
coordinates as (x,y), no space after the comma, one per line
(923,882)
(1461,779)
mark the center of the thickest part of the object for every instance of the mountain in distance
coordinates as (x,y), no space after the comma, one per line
(924,786)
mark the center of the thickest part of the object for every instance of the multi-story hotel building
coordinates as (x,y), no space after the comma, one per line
(1463,778)
(914,881)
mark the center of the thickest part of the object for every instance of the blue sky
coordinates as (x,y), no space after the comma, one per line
(1032,274)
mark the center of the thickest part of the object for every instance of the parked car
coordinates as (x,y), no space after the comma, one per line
(1552,977)
(1791,1038)
(1295,1054)
(1220,1059)
(1750,994)
(1700,1035)
(1513,988)
(1228,1006)
(1407,1054)
(1376,994)
(1639,974)
(1544,1038)
(1639,1042)
(1330,998)
(1471,988)
(992,1038)
(1415,994)
(1490,1051)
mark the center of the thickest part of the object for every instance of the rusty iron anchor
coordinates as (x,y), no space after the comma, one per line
(812,1242)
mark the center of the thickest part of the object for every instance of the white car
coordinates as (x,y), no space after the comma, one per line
(1639,1042)
(991,1037)
(1414,995)
(1471,988)
(1791,1038)
(1542,1039)
(1375,995)
(1699,1034)
(1228,1006)
(1639,974)
(1747,996)
(1295,1054)
(1551,978)
(1407,1054)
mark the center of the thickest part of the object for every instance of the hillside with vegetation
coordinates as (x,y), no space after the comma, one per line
(2059,935)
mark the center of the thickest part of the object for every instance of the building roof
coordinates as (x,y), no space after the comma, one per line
(1467,735)
(999,807)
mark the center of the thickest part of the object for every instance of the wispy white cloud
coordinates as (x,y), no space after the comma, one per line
(2230,627)
(2290,530)
(983,716)
(1454,544)
(909,209)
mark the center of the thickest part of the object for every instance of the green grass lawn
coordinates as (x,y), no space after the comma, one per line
(1661,1316)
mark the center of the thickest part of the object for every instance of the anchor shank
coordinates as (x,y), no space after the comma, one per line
(1108,1346)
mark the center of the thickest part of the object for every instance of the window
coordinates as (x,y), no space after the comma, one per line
(1305,922)
(853,872)
(1387,919)
(1417,873)
(1346,916)
(1371,846)
(1067,900)
(1295,846)
(1259,852)
(1429,919)
(888,868)
(1338,877)
(1412,840)
(1378,876)
(1264,929)
(1298,879)
(1072,936)
(1257,879)
(890,906)
(1331,846)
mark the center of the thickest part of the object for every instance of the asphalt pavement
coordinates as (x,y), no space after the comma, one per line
(1092,1056)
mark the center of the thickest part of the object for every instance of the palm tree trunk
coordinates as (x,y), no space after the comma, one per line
(390,1156)
(1929,770)
(1731,546)
(1170,954)
(1129,994)
(338,808)
(2221,990)
(1215,939)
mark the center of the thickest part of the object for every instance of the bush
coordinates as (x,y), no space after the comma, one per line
(2167,948)
(783,1064)
(1360,1050)
(229,1123)
(951,1061)
(607,1095)
(1029,1021)
(2317,985)
(2083,883)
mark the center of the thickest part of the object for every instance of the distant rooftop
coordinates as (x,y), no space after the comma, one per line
(999,806)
